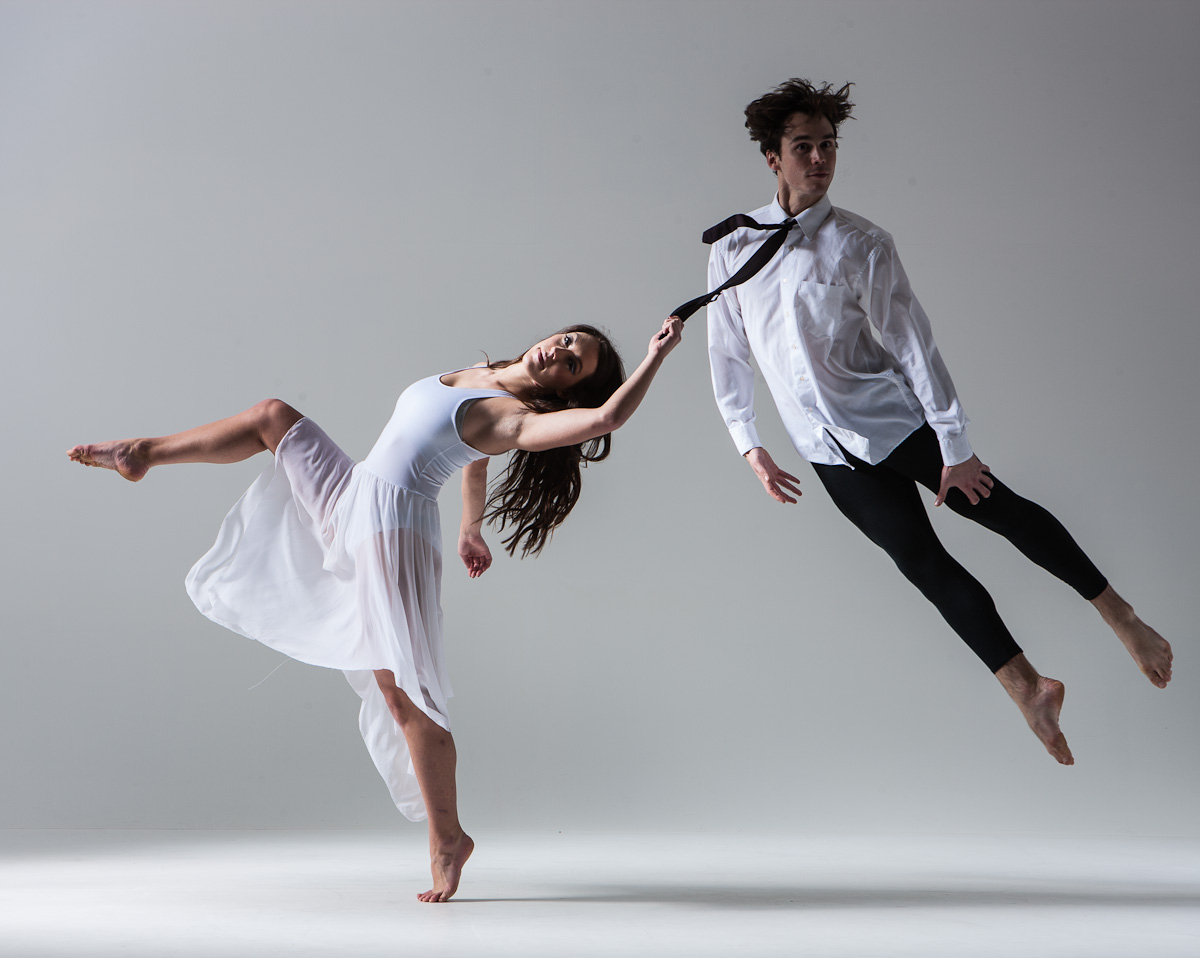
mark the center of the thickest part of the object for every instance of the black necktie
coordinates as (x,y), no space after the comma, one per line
(761,256)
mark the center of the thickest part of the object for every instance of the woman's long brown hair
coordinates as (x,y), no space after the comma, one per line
(538,489)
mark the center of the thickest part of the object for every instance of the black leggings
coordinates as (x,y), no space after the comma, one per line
(884,503)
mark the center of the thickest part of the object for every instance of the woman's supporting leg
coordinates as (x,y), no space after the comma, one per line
(239,437)
(434,760)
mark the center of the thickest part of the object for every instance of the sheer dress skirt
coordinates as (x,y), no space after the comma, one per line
(338,567)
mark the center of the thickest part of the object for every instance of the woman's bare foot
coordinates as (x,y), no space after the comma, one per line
(1040,700)
(446,861)
(1150,651)
(125,456)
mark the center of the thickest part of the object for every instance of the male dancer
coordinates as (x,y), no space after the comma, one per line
(877,416)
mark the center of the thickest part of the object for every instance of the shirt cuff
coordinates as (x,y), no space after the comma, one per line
(745,436)
(955,449)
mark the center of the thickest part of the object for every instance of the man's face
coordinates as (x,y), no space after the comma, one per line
(805,162)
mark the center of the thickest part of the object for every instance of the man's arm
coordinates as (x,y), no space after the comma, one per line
(907,335)
(729,358)
(733,382)
(776,482)
(904,328)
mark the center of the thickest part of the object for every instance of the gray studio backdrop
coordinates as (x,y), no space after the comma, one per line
(204,204)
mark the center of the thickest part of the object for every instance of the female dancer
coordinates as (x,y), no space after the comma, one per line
(339,565)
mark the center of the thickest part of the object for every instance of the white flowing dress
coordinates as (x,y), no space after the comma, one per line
(339,564)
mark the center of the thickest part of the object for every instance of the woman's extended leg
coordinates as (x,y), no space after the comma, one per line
(434,759)
(227,440)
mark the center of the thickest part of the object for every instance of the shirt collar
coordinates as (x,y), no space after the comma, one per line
(810,220)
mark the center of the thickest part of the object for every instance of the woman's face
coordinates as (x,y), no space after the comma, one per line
(562,360)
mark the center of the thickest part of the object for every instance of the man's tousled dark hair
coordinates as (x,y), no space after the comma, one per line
(767,116)
(538,489)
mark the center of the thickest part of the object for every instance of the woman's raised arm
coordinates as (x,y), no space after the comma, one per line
(535,432)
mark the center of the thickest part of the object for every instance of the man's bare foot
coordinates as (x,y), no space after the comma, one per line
(446,861)
(1150,651)
(125,456)
(1041,710)
(1040,700)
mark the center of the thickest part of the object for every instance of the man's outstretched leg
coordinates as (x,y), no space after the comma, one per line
(887,507)
(1045,541)
(1150,651)
(1040,700)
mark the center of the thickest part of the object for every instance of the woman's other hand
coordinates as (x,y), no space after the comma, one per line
(474,552)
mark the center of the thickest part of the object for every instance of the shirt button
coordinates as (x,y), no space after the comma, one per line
(803,379)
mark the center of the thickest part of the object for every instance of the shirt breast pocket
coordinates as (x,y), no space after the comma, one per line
(819,311)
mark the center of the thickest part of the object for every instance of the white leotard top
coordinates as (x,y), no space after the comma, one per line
(420,447)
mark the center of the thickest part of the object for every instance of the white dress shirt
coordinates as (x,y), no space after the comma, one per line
(807,317)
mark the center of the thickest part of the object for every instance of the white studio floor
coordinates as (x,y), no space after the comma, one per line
(158,894)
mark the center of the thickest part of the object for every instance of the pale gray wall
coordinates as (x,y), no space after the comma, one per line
(207,203)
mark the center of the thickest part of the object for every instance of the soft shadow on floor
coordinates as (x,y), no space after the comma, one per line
(775,897)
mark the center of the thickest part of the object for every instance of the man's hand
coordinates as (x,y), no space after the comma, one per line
(970,476)
(777,482)
(475,554)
